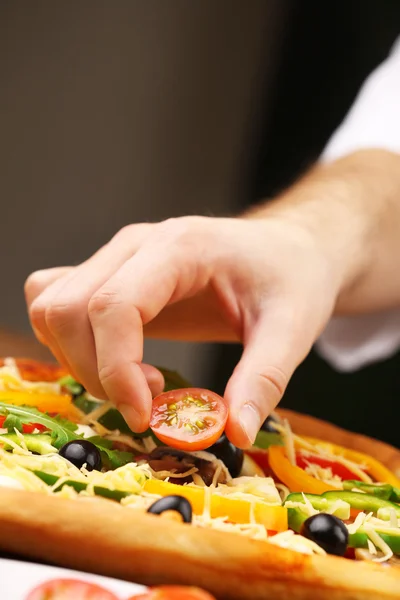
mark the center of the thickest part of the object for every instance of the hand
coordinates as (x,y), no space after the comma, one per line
(266,282)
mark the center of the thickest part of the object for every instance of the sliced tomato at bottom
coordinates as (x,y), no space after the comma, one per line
(337,468)
(174,592)
(189,418)
(70,589)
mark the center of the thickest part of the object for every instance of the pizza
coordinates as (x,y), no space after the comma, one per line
(76,589)
(296,516)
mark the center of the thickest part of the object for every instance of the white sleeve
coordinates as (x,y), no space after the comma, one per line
(349,343)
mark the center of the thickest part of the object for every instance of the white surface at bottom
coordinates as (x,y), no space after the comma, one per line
(18,578)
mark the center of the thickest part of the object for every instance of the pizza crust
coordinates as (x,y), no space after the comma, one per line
(103,537)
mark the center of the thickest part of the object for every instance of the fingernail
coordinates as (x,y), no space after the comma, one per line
(250,421)
(131,416)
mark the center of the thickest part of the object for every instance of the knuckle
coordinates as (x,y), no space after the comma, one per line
(124,233)
(59,314)
(102,301)
(274,380)
(37,312)
(179,228)
(108,373)
(34,284)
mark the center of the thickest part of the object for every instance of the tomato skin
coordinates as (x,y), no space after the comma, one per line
(70,589)
(174,592)
(337,468)
(185,409)
(26,427)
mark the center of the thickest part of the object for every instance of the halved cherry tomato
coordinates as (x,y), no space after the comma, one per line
(174,592)
(189,418)
(336,468)
(70,589)
(26,427)
(34,370)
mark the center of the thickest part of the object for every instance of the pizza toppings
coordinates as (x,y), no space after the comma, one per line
(342,495)
(231,456)
(189,419)
(174,503)
(327,531)
(183,467)
(82,453)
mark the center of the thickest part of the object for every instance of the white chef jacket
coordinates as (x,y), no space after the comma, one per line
(349,343)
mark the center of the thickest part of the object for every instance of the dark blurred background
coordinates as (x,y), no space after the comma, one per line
(116,112)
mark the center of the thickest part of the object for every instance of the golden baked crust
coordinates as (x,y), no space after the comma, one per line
(106,538)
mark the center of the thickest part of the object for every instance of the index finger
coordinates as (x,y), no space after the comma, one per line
(137,293)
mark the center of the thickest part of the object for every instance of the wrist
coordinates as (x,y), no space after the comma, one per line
(343,207)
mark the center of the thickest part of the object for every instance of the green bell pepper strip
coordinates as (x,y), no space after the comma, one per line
(395,495)
(79,486)
(359,539)
(35,442)
(265,439)
(357,500)
(381,490)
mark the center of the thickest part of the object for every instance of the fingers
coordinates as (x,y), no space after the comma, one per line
(154,378)
(60,312)
(36,283)
(158,273)
(278,343)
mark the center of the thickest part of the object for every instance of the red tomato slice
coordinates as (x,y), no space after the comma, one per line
(26,427)
(174,592)
(188,419)
(337,468)
(70,589)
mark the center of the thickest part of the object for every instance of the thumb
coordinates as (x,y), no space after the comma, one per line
(277,344)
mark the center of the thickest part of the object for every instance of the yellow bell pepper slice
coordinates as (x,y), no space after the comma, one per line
(296,479)
(375,468)
(60,404)
(274,518)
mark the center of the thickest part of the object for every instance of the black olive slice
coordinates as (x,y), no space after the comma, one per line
(178,504)
(327,531)
(231,456)
(268,424)
(82,452)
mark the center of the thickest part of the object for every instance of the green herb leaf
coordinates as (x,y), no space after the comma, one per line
(11,423)
(111,458)
(60,433)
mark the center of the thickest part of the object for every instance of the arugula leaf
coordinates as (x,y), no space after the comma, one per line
(114,458)
(11,423)
(60,433)
(63,431)
(65,423)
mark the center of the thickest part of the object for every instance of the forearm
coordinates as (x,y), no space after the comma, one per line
(351,208)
